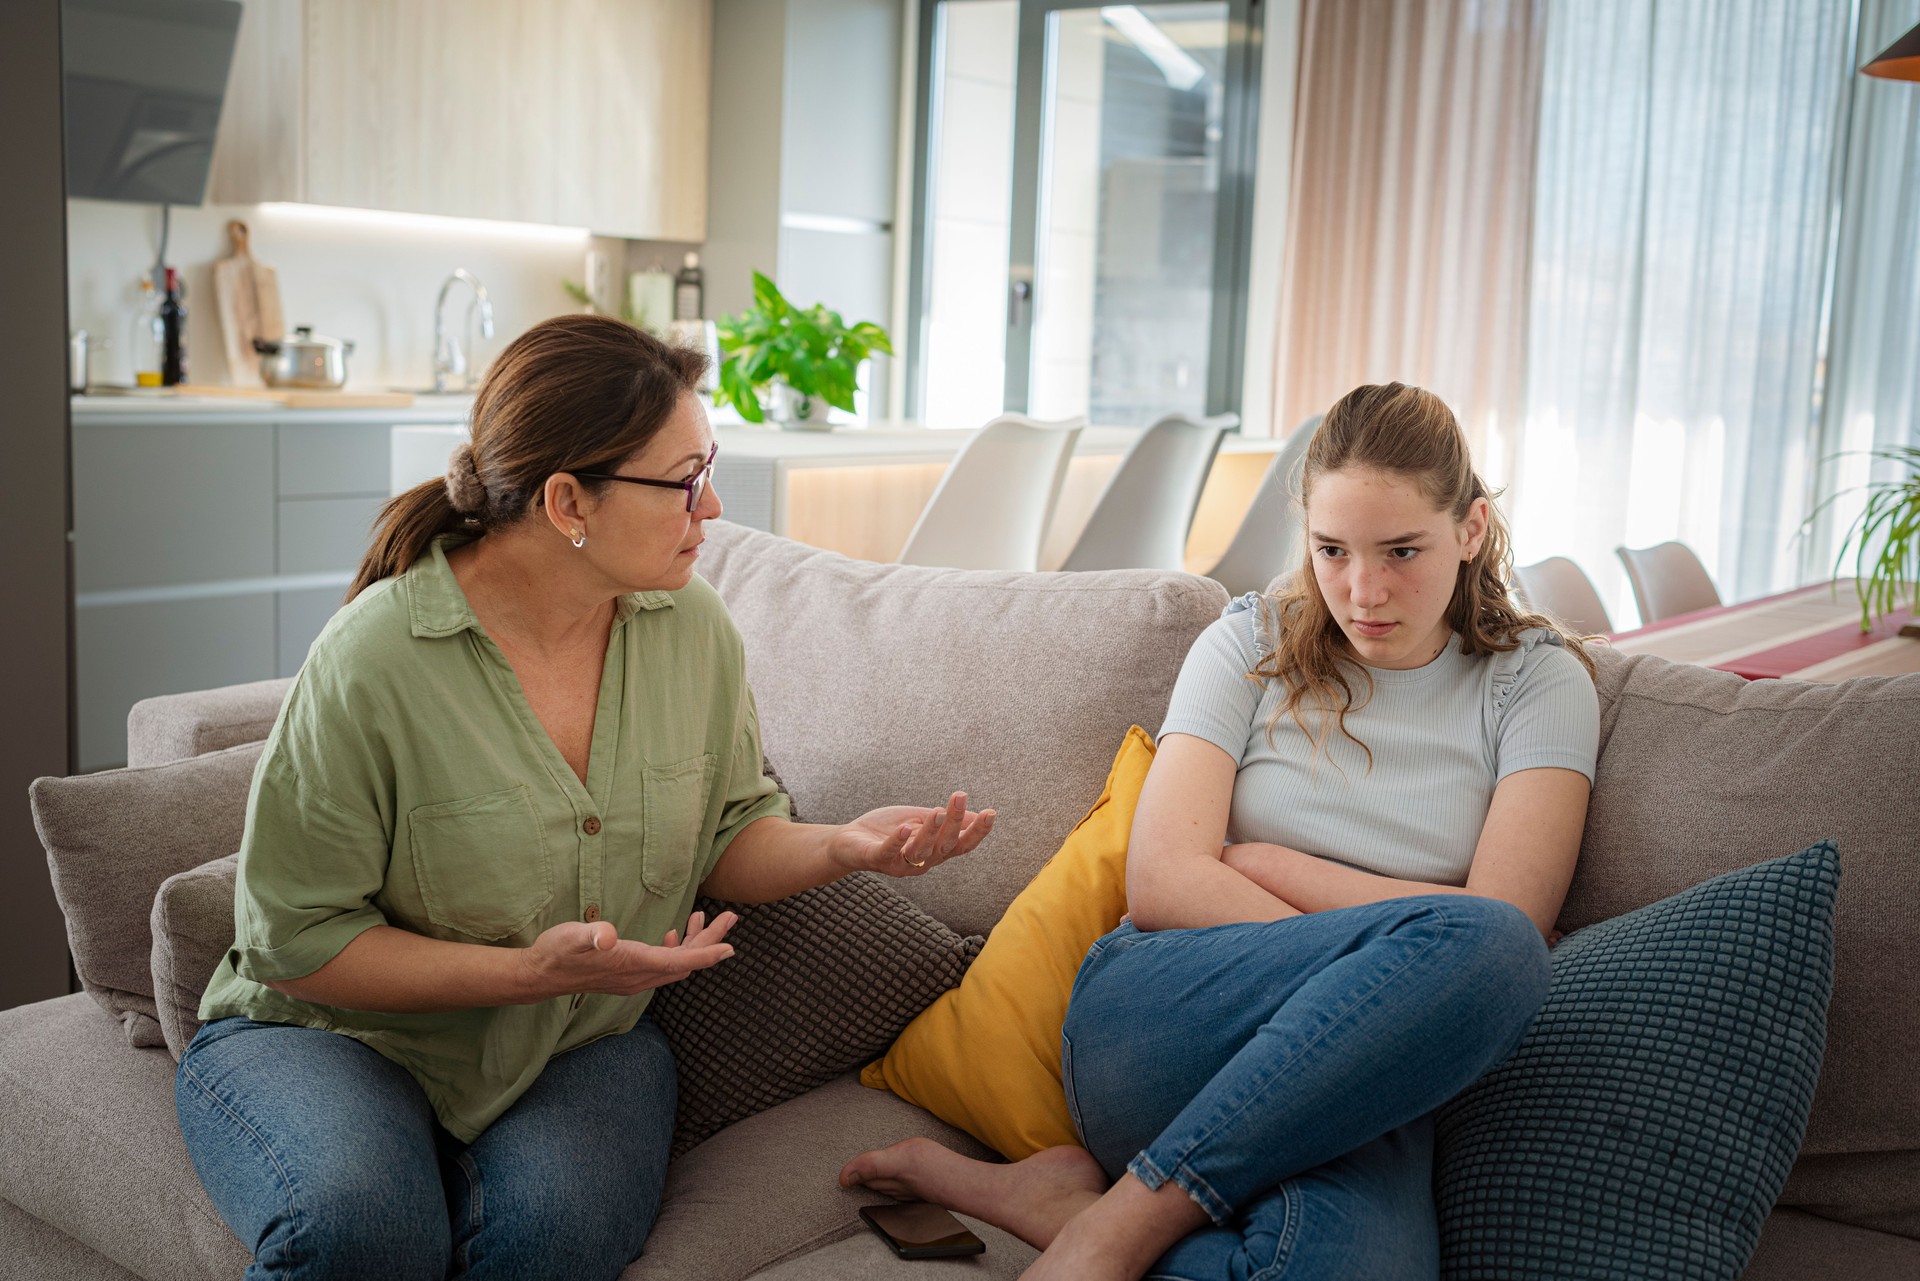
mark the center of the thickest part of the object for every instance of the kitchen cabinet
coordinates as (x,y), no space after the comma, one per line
(327,460)
(211,545)
(586,113)
(171,504)
(325,535)
(126,652)
(298,620)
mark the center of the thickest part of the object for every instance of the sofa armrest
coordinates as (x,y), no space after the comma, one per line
(173,727)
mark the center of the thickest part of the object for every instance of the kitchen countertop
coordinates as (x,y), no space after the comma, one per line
(134,407)
(883,441)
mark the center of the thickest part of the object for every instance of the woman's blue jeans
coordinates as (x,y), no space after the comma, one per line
(1283,1074)
(326,1160)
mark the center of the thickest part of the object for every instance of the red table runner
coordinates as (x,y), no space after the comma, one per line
(1810,633)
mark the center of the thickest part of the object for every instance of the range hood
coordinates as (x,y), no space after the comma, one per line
(144,83)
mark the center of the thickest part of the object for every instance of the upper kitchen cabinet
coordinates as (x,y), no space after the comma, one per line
(582,113)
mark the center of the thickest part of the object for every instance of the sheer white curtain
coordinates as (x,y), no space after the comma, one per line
(1873,397)
(1410,197)
(1683,188)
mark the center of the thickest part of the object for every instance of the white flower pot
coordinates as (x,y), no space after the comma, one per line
(795,412)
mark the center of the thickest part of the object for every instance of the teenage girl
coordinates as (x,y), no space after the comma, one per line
(1349,852)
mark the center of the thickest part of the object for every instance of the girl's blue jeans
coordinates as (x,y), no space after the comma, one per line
(326,1159)
(1283,1074)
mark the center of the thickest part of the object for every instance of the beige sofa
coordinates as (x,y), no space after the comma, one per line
(886,683)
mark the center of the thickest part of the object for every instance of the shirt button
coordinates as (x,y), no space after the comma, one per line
(591,827)
(593,911)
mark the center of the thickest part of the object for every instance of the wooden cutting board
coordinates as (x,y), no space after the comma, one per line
(246,293)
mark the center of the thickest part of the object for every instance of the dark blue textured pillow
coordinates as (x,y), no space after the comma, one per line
(1648,1120)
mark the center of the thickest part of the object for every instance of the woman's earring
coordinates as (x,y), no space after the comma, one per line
(579,538)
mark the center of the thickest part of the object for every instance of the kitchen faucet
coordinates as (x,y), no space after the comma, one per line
(448,356)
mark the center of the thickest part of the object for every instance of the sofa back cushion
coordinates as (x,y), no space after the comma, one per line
(111,839)
(1701,772)
(897,684)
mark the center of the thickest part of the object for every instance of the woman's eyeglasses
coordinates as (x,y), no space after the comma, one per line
(695,485)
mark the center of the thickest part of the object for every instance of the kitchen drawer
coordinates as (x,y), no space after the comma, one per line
(318,535)
(332,459)
(124,653)
(302,615)
(166,503)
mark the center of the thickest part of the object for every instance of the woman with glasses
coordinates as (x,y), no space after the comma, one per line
(474,839)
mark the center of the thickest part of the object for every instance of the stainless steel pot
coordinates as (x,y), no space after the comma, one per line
(303,360)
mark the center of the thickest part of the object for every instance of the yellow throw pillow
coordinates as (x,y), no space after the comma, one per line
(986,1056)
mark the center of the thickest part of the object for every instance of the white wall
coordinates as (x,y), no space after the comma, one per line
(371,278)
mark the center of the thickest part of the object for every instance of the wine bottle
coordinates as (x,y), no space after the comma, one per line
(689,290)
(173,333)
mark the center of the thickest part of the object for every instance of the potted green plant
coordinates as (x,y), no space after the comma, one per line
(1885,541)
(802,359)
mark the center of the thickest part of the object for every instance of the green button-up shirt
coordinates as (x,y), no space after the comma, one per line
(408,783)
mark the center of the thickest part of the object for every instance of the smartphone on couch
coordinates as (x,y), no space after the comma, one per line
(921,1230)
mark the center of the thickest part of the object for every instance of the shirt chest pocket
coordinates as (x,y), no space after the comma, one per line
(673,812)
(483,869)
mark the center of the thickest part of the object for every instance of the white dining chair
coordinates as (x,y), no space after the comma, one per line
(1267,544)
(1561,589)
(993,505)
(1667,579)
(1143,515)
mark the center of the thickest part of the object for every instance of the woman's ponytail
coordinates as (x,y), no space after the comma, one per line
(404,531)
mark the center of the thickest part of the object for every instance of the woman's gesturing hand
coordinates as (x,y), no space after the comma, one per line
(908,840)
(582,956)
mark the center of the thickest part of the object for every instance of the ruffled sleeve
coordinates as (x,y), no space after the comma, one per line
(1254,618)
(1542,708)
(1214,699)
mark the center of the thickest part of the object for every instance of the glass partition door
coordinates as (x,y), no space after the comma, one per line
(1082,204)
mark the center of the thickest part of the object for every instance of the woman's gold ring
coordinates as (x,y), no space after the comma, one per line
(912,862)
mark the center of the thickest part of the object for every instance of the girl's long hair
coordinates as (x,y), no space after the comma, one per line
(574,393)
(1410,433)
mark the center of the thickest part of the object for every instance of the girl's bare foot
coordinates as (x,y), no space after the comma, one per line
(1033,1199)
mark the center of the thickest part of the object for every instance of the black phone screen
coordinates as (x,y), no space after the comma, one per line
(921,1230)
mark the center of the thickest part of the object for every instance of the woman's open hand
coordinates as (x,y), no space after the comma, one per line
(590,956)
(908,840)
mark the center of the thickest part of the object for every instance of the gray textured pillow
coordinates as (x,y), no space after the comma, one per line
(819,984)
(1646,1124)
(111,839)
(192,930)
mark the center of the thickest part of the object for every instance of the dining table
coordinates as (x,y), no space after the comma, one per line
(1811,633)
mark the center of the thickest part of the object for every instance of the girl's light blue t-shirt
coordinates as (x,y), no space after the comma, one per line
(1442,738)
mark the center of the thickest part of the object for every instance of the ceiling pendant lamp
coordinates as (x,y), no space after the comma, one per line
(1899,60)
